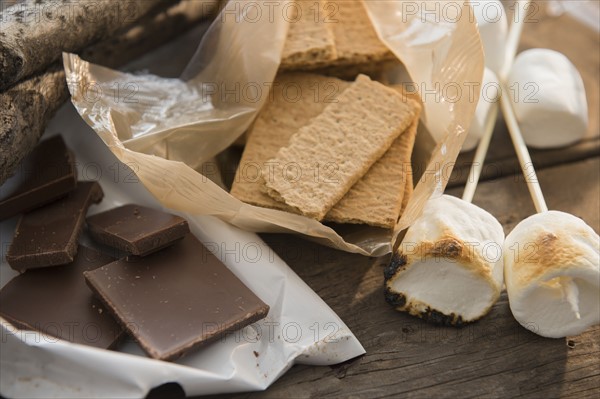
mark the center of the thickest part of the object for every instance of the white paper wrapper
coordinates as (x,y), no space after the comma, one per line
(300,327)
(175,126)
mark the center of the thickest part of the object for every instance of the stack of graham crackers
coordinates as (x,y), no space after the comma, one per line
(333,38)
(332,150)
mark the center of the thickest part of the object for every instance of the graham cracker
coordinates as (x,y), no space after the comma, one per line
(355,41)
(310,38)
(408,191)
(295,99)
(326,157)
(410,183)
(376,199)
(375,70)
(280,119)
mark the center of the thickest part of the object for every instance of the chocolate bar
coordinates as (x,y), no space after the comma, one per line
(176,299)
(48,235)
(48,173)
(57,302)
(136,229)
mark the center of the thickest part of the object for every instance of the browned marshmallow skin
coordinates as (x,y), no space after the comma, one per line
(47,236)
(57,302)
(47,174)
(176,299)
(136,229)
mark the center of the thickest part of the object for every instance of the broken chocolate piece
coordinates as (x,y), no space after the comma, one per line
(176,299)
(136,229)
(58,303)
(46,174)
(48,236)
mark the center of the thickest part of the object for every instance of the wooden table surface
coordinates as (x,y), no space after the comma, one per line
(494,357)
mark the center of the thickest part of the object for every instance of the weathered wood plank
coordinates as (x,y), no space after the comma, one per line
(572,188)
(501,160)
(407,357)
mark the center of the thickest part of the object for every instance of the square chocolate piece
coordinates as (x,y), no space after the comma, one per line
(57,302)
(46,174)
(47,236)
(176,299)
(136,229)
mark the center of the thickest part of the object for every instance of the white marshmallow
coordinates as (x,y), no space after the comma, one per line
(488,101)
(552,274)
(548,98)
(448,268)
(493,29)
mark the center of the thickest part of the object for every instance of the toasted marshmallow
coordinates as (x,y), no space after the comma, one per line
(549,99)
(448,269)
(552,274)
(493,29)
(488,101)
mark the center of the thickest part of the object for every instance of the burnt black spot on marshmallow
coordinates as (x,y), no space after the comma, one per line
(394,299)
(436,317)
(398,262)
(448,248)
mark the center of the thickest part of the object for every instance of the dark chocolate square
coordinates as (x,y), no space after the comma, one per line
(57,302)
(136,229)
(45,175)
(176,299)
(47,236)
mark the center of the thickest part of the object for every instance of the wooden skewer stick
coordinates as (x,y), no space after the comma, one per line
(523,154)
(512,43)
(480,153)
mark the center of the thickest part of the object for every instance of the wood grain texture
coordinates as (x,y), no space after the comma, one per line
(406,357)
(572,188)
(35,33)
(26,108)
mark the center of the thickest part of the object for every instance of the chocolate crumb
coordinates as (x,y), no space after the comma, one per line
(256,354)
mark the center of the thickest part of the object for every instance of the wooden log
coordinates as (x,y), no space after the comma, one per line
(26,108)
(35,33)
(24,112)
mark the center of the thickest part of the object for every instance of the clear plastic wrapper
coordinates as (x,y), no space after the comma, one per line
(176,125)
(440,47)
